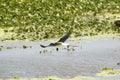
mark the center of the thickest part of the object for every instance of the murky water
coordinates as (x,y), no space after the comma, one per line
(28,59)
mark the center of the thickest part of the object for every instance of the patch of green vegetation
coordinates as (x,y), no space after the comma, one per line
(43,19)
(107,68)
(56,78)
(9,47)
(109,72)
(0,49)
(118,63)
(105,75)
(24,46)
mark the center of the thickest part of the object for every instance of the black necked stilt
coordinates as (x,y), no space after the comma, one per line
(117,23)
(60,42)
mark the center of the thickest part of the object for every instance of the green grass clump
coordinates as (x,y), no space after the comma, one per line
(43,19)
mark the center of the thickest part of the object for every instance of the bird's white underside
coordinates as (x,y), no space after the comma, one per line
(65,44)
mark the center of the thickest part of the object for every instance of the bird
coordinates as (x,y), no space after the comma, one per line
(60,41)
(117,23)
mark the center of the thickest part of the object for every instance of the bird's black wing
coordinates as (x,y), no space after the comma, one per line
(43,46)
(65,37)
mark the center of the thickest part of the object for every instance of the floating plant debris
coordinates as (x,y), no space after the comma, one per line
(0,49)
(118,63)
(57,49)
(24,46)
(9,47)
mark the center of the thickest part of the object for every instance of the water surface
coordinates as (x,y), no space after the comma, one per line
(28,59)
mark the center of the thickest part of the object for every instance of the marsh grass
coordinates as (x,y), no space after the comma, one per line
(43,19)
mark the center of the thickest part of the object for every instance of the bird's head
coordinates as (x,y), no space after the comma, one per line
(52,44)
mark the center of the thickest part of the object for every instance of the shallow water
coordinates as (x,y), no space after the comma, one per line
(28,59)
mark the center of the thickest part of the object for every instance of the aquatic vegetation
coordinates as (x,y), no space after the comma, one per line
(36,20)
(24,46)
(40,52)
(118,63)
(107,68)
(45,51)
(0,49)
(9,47)
(6,47)
(105,74)
(69,48)
(30,46)
(57,49)
(109,72)
(55,78)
